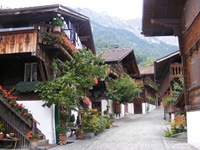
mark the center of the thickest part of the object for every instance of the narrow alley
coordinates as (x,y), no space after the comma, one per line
(133,132)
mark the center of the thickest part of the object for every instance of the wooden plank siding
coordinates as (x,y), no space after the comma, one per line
(190,52)
(18,42)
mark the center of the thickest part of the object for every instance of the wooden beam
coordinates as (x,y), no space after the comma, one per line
(59,46)
(41,70)
(165,21)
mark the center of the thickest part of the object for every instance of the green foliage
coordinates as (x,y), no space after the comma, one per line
(177,89)
(24,87)
(93,121)
(57,22)
(167,133)
(72,118)
(62,129)
(64,116)
(122,89)
(150,99)
(167,100)
(1,127)
(177,127)
(35,136)
(70,78)
(106,38)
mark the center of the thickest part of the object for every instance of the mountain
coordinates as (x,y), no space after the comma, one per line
(109,32)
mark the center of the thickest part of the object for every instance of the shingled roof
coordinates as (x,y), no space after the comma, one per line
(124,57)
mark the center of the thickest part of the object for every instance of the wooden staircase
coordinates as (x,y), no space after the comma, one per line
(14,122)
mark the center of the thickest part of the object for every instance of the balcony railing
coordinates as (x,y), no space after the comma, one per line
(175,70)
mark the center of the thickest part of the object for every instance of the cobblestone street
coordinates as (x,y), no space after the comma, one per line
(133,132)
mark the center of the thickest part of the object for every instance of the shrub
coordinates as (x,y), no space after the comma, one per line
(168,133)
(93,121)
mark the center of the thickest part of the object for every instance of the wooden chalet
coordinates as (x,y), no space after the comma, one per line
(25,59)
(122,62)
(149,89)
(180,18)
(168,70)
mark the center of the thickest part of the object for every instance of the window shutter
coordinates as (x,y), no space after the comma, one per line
(195,64)
(27,73)
(34,71)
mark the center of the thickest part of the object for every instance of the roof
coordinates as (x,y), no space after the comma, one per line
(116,55)
(146,70)
(158,13)
(167,56)
(162,65)
(21,17)
(127,59)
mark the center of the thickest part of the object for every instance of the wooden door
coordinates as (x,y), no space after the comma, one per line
(137,108)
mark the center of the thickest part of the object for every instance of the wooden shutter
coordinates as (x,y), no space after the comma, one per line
(27,72)
(195,64)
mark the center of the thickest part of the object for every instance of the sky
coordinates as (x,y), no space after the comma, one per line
(123,9)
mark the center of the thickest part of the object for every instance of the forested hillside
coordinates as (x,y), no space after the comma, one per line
(109,32)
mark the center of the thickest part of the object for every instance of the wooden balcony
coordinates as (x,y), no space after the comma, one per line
(18,41)
(175,71)
(27,40)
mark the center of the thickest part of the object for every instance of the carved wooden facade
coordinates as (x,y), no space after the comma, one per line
(178,18)
(25,58)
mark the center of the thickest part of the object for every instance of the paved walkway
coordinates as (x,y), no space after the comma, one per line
(133,132)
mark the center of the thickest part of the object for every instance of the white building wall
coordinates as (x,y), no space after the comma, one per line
(103,106)
(122,110)
(111,106)
(45,116)
(152,107)
(144,108)
(193,128)
(130,108)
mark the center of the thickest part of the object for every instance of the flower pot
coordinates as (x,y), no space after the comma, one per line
(62,137)
(79,135)
(1,136)
(34,140)
(57,29)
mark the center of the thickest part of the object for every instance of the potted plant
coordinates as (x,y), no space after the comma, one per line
(71,121)
(1,130)
(57,23)
(79,133)
(62,130)
(33,137)
(64,117)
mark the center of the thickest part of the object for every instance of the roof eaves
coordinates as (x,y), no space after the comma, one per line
(122,57)
(167,56)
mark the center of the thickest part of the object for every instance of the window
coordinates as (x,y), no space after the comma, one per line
(30,73)
(195,64)
(138,95)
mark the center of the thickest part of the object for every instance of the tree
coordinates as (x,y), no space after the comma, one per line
(122,90)
(71,79)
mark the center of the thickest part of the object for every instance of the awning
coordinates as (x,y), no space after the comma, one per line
(87,101)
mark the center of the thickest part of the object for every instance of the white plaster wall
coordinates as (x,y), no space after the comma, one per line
(45,116)
(152,107)
(130,108)
(111,106)
(144,108)
(103,105)
(193,128)
(122,110)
